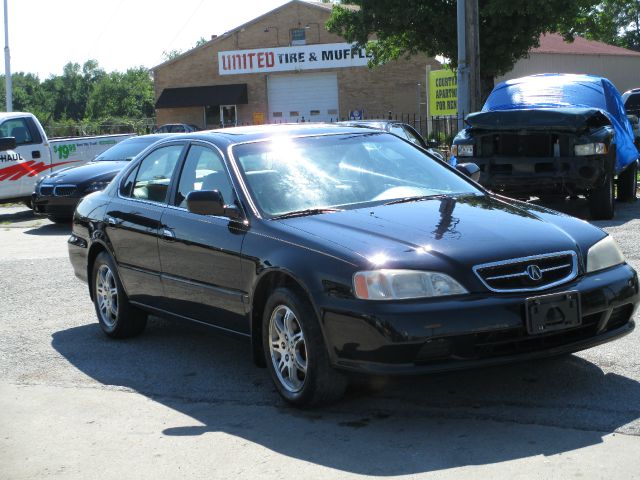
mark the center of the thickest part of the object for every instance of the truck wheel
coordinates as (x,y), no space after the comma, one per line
(628,183)
(117,317)
(601,203)
(296,354)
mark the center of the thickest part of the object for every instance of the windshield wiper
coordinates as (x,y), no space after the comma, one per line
(417,199)
(306,212)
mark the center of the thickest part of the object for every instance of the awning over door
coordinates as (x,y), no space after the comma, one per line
(233,94)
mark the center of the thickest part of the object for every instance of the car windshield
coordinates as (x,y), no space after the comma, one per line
(125,150)
(288,175)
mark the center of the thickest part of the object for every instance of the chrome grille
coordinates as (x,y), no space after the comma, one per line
(64,190)
(528,273)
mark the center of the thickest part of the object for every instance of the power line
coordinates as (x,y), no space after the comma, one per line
(195,10)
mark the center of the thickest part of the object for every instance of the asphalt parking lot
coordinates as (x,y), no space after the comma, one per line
(181,401)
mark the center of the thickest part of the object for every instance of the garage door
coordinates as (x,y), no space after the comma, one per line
(311,96)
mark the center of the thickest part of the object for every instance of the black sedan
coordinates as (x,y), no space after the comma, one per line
(57,195)
(336,249)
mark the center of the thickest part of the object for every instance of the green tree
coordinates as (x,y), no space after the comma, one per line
(616,22)
(508,28)
(28,95)
(122,95)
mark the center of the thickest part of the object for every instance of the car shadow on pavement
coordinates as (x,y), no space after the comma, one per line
(14,216)
(50,229)
(404,426)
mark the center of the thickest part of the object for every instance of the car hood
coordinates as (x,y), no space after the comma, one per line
(447,233)
(570,119)
(104,170)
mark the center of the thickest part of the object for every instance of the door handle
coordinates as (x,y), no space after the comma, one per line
(35,154)
(111,221)
(168,235)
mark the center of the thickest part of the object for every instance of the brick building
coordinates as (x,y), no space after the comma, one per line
(283,67)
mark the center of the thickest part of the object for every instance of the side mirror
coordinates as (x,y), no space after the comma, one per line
(432,143)
(210,202)
(471,170)
(7,143)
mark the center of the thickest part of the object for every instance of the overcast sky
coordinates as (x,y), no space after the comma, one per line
(44,35)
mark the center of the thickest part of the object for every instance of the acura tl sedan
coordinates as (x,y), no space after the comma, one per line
(340,251)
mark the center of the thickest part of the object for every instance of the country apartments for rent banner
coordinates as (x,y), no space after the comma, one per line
(284,59)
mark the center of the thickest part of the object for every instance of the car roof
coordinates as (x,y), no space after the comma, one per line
(150,137)
(234,135)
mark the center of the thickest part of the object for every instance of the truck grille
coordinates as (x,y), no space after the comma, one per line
(64,190)
(528,273)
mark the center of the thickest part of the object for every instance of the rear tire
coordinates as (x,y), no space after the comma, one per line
(117,317)
(628,183)
(601,202)
(295,351)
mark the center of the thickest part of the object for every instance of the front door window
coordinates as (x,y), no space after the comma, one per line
(228,115)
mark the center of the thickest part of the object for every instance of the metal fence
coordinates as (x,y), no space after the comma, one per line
(64,129)
(441,129)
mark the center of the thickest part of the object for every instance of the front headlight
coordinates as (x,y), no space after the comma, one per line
(96,186)
(604,254)
(590,149)
(404,284)
(462,150)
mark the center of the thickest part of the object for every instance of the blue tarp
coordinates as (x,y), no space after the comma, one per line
(569,91)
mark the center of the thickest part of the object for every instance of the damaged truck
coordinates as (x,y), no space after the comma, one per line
(553,135)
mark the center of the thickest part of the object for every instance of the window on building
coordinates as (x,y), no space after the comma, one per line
(212,114)
(298,36)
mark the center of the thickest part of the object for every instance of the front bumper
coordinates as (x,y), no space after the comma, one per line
(542,174)
(475,330)
(55,205)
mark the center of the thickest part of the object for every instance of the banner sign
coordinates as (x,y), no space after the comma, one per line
(443,92)
(284,59)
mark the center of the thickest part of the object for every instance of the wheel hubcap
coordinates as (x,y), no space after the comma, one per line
(107,295)
(288,348)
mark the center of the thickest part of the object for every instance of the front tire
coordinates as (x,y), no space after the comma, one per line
(295,351)
(628,183)
(117,317)
(601,202)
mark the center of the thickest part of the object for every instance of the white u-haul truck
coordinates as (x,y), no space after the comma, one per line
(35,156)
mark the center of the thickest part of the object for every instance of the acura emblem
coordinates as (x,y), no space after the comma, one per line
(534,272)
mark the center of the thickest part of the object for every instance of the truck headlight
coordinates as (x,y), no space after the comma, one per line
(604,254)
(96,186)
(462,150)
(590,149)
(404,284)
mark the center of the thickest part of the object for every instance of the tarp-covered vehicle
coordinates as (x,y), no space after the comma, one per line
(553,134)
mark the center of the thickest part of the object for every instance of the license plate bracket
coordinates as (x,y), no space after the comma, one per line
(550,313)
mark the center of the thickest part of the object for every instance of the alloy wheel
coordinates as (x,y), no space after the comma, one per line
(107,296)
(288,348)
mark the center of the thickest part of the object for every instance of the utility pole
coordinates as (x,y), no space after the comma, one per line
(468,59)
(7,61)
(463,73)
(473,54)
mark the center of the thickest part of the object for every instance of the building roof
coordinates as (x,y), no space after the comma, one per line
(312,4)
(554,43)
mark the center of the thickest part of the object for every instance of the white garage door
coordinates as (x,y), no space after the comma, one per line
(310,96)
